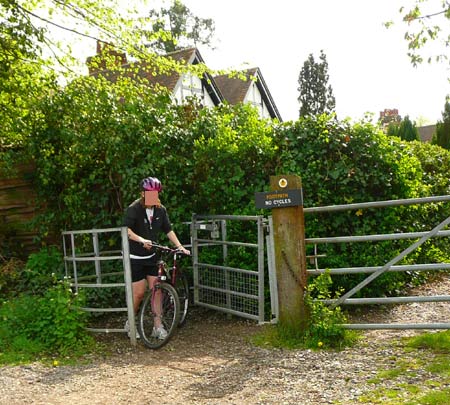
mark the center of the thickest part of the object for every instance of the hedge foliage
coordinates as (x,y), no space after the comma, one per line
(95,141)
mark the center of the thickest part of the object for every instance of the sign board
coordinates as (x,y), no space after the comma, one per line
(279,199)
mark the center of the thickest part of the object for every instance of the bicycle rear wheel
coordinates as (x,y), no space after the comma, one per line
(182,287)
(163,306)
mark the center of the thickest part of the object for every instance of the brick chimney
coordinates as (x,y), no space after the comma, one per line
(106,55)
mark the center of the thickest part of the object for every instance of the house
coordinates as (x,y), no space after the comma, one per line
(253,91)
(426,132)
(211,91)
(389,116)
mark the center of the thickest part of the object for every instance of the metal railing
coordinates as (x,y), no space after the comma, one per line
(74,257)
(388,267)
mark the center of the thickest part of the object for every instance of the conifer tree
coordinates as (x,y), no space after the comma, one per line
(393,129)
(408,130)
(316,96)
(442,135)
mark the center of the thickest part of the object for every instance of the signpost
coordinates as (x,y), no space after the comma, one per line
(285,198)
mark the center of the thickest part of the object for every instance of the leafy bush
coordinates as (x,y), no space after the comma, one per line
(41,269)
(343,163)
(324,324)
(96,140)
(41,326)
(33,277)
(10,271)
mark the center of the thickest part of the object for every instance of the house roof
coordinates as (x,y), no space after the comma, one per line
(186,57)
(235,89)
(190,56)
(219,88)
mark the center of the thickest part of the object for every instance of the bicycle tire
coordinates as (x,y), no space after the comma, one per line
(182,287)
(170,316)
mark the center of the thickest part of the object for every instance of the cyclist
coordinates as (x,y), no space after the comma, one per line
(146,218)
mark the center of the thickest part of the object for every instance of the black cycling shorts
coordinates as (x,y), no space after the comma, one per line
(140,270)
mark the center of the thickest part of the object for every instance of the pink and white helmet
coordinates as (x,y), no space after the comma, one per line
(151,184)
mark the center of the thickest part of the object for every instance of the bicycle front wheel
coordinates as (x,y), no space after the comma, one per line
(159,316)
(182,287)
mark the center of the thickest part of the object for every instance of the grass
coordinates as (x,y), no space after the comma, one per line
(18,356)
(279,337)
(438,342)
(435,398)
(431,356)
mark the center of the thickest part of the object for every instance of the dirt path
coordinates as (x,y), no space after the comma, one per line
(211,361)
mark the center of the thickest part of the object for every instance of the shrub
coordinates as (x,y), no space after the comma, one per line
(96,140)
(46,325)
(324,324)
(342,163)
(10,271)
(41,269)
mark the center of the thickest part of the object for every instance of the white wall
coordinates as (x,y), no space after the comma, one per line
(189,86)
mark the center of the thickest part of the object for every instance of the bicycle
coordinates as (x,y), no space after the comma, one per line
(168,300)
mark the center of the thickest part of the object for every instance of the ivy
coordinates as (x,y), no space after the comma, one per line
(94,141)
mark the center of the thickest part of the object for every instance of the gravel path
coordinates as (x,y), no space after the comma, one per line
(210,361)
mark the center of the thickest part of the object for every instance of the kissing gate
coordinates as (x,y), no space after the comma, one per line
(233,283)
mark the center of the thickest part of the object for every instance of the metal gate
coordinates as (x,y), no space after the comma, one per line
(374,272)
(226,275)
(87,254)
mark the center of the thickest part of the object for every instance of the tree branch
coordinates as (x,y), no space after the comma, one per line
(430,15)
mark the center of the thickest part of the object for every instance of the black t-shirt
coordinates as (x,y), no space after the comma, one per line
(136,219)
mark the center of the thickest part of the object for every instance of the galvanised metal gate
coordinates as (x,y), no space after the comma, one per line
(437,231)
(222,281)
(86,261)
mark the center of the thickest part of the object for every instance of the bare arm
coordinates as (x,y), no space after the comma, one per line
(145,242)
(174,239)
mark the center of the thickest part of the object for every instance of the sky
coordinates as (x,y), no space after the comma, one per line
(368,66)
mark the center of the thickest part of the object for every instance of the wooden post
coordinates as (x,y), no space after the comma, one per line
(290,255)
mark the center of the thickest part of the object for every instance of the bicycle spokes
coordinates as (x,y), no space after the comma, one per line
(160,308)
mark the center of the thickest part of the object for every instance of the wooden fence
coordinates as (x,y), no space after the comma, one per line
(17,208)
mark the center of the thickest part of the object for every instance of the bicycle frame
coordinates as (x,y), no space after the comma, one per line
(164,272)
(176,278)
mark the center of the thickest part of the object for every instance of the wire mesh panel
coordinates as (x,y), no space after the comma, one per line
(229,273)
(229,289)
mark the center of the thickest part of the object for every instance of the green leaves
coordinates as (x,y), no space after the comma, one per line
(316,96)
(43,325)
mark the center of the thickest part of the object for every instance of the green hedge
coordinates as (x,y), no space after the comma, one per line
(96,140)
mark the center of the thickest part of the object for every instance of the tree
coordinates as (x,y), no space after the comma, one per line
(35,28)
(27,32)
(23,78)
(442,135)
(315,96)
(184,27)
(427,22)
(408,130)
(392,129)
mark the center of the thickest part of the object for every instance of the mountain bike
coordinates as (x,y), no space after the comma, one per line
(166,303)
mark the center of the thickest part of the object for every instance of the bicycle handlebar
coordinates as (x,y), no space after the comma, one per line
(168,249)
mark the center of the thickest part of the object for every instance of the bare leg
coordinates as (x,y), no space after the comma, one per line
(138,293)
(156,300)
